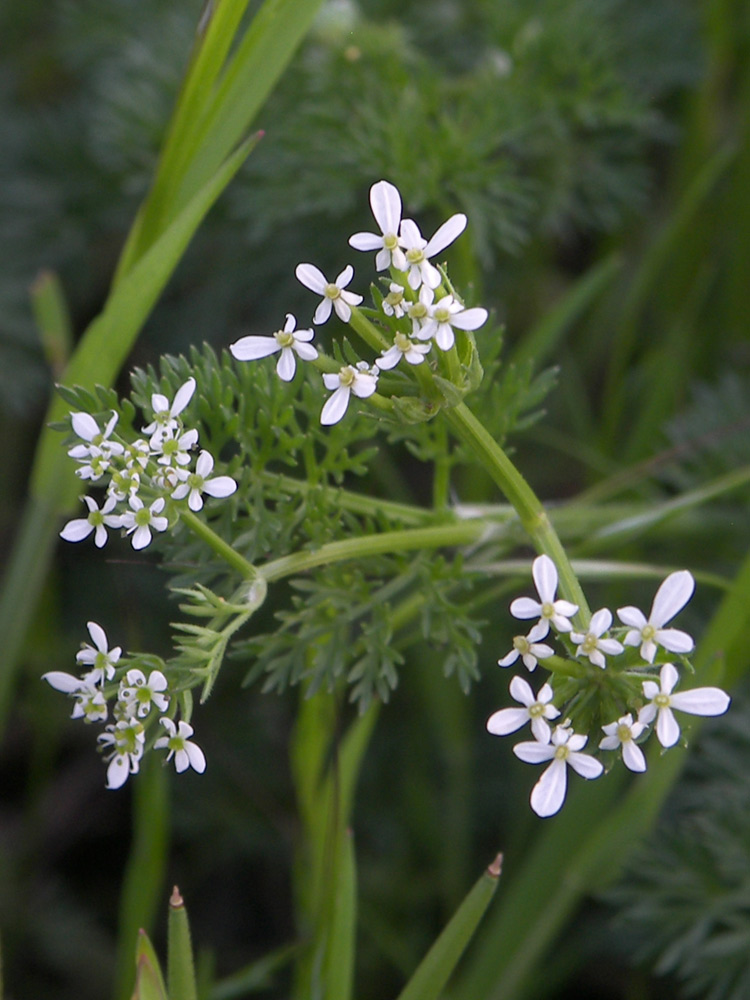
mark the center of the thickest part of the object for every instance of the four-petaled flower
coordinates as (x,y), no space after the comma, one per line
(97,521)
(547,609)
(548,794)
(404,348)
(99,657)
(289,341)
(671,597)
(444,316)
(125,740)
(362,381)
(698,701)
(334,294)
(537,709)
(591,643)
(140,521)
(623,733)
(197,483)
(186,753)
(141,694)
(419,250)
(98,443)
(165,421)
(385,202)
(529,648)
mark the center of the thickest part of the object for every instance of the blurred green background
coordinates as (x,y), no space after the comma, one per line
(601,152)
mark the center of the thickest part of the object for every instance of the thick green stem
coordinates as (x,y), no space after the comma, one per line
(220,547)
(530,510)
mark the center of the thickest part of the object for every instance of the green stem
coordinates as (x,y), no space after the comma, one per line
(436,536)
(368,331)
(530,510)
(220,547)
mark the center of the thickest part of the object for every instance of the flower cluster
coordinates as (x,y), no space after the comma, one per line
(140,699)
(144,475)
(419,311)
(601,683)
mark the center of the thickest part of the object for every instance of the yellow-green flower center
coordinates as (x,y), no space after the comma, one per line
(589,644)
(284,339)
(390,241)
(662,700)
(415,256)
(536,710)
(648,632)
(562,752)
(522,644)
(623,733)
(402,342)
(417,310)
(442,315)
(347,376)
(332,291)
(548,609)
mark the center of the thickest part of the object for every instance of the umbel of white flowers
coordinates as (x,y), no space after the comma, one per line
(140,702)
(653,701)
(157,467)
(401,247)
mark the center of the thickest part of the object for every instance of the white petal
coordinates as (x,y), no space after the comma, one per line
(632,756)
(252,348)
(539,631)
(98,636)
(118,771)
(609,742)
(548,794)
(469,319)
(521,691)
(61,681)
(585,765)
(524,607)
(544,573)
(444,337)
(540,729)
(701,701)
(534,752)
(411,236)
(633,617)
(385,202)
(668,677)
(183,396)
(341,306)
(366,241)
(671,597)
(344,277)
(311,277)
(509,659)
(390,358)
(335,407)
(647,714)
(220,486)
(610,646)
(446,234)
(196,757)
(305,351)
(600,621)
(323,311)
(77,530)
(507,720)
(382,259)
(84,426)
(286,366)
(205,464)
(364,386)
(674,640)
(195,501)
(141,537)
(667,729)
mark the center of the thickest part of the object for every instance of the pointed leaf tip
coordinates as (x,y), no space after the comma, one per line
(176,900)
(495,869)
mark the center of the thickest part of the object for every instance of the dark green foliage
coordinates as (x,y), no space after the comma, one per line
(684,902)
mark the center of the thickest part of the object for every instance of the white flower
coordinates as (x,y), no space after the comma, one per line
(90,704)
(419,250)
(362,381)
(699,701)
(198,483)
(419,311)
(124,483)
(548,794)
(591,643)
(623,733)
(141,694)
(446,315)
(547,609)
(137,453)
(186,754)
(141,520)
(99,657)
(81,527)
(98,443)
(528,648)
(174,450)
(333,292)
(404,348)
(385,202)
(393,303)
(537,709)
(671,597)
(165,421)
(126,739)
(289,341)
